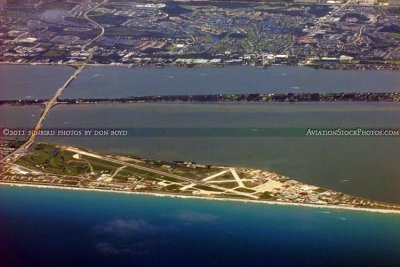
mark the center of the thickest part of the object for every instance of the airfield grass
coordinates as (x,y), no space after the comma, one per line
(50,159)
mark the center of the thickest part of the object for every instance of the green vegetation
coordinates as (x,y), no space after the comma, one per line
(319,190)
(51,159)
(95,13)
(100,166)
(206,188)
(266,195)
(172,187)
(140,174)
(16,144)
(250,184)
(394,35)
(226,176)
(382,44)
(57,160)
(244,190)
(55,53)
(197,173)
(227,185)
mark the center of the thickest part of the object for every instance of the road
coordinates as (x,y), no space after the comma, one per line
(359,35)
(85,15)
(38,126)
(49,104)
(117,171)
(320,23)
(53,101)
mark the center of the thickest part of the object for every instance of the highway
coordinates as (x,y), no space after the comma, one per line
(49,104)
(85,15)
(53,101)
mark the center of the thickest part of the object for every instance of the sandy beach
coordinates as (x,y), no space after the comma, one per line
(387,211)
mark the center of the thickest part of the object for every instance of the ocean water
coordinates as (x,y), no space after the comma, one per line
(48,227)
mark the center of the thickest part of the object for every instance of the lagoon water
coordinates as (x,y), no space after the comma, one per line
(49,227)
(19,117)
(42,81)
(114,82)
(31,82)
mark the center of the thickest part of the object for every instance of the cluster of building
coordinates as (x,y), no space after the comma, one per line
(355,34)
(5,148)
(283,189)
(187,34)
(17,174)
(20,175)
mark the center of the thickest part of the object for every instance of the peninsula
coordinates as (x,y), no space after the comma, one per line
(48,165)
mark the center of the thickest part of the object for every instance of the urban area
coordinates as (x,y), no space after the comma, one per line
(353,34)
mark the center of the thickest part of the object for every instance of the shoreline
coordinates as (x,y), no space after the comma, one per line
(384,211)
(341,67)
(290,97)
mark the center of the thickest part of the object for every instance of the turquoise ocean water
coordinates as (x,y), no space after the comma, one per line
(50,227)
